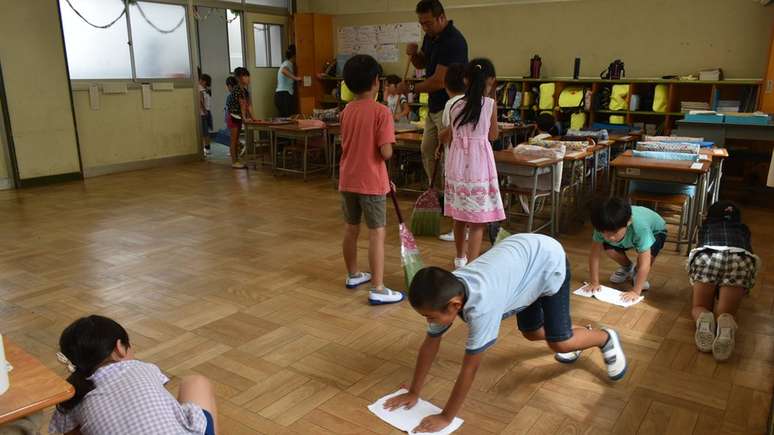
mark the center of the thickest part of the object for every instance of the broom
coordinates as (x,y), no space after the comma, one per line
(426,217)
(409,253)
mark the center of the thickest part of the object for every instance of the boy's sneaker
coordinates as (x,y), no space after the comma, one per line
(705,332)
(384,296)
(723,346)
(613,355)
(459,263)
(357,280)
(238,165)
(622,274)
(645,286)
(568,357)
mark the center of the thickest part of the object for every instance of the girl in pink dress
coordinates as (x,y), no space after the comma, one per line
(471,194)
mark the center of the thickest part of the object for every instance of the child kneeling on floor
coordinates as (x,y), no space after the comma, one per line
(619,227)
(117,394)
(722,265)
(527,275)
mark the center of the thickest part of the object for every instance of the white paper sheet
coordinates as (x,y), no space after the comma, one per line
(608,295)
(407,419)
(697,165)
(387,33)
(347,39)
(366,35)
(409,32)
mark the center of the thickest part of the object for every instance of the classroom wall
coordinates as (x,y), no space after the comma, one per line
(653,38)
(263,81)
(121,135)
(36,85)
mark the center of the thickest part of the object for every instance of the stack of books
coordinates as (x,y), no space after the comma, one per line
(687,106)
(728,106)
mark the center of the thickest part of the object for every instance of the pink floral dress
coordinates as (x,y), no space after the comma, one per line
(472,193)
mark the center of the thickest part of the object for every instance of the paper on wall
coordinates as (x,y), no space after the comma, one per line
(407,419)
(387,33)
(409,32)
(346,39)
(387,53)
(608,295)
(366,35)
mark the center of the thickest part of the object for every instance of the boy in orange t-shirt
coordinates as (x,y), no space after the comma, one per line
(367,135)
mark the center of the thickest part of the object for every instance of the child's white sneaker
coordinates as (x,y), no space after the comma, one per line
(705,332)
(723,346)
(568,357)
(622,274)
(358,279)
(384,296)
(645,286)
(460,262)
(449,237)
(613,355)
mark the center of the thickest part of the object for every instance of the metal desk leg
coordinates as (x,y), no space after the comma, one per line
(554,199)
(594,159)
(716,180)
(531,214)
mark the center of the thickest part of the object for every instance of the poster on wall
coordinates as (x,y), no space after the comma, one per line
(387,53)
(380,41)
(409,32)
(387,33)
(346,39)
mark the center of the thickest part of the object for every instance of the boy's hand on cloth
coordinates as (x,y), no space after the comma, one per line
(630,296)
(405,400)
(433,423)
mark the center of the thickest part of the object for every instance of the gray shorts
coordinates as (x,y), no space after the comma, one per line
(354,205)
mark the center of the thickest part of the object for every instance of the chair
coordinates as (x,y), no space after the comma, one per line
(677,202)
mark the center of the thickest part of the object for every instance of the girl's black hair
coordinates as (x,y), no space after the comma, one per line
(724,211)
(87,343)
(477,72)
(231,81)
(241,71)
(207,82)
(291,51)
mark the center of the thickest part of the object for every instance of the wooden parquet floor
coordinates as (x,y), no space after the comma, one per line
(238,276)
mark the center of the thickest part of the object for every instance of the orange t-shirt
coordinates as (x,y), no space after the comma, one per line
(365,126)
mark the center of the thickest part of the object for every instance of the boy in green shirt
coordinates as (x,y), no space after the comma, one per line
(619,227)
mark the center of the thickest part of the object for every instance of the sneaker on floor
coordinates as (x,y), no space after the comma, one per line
(460,262)
(384,296)
(357,280)
(613,355)
(622,274)
(723,346)
(448,237)
(238,165)
(645,286)
(568,357)
(705,332)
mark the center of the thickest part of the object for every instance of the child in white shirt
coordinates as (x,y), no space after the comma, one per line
(398,103)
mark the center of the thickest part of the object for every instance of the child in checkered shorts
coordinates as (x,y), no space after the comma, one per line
(722,270)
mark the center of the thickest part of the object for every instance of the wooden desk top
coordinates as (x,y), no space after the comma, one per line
(627,160)
(577,155)
(508,157)
(622,137)
(267,122)
(295,128)
(33,385)
(716,153)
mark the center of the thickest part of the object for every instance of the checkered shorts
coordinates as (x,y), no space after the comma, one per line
(723,268)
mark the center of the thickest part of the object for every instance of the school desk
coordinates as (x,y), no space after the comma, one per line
(717,156)
(33,385)
(510,164)
(408,146)
(253,140)
(293,132)
(626,168)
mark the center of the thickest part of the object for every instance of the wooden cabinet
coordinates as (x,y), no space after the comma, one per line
(313,36)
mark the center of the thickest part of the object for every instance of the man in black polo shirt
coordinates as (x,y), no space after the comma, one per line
(442,46)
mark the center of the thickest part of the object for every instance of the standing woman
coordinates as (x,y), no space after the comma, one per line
(286,80)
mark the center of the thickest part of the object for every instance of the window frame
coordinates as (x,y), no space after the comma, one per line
(267,45)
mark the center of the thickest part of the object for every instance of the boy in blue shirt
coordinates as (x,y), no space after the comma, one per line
(619,227)
(527,275)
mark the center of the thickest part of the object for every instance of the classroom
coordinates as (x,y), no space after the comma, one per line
(386,216)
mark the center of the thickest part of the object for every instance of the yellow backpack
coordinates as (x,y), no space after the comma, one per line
(618,97)
(571,97)
(660,97)
(547,96)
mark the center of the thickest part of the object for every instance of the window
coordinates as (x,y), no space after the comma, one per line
(234,29)
(268,45)
(272,3)
(160,41)
(96,49)
(96,36)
